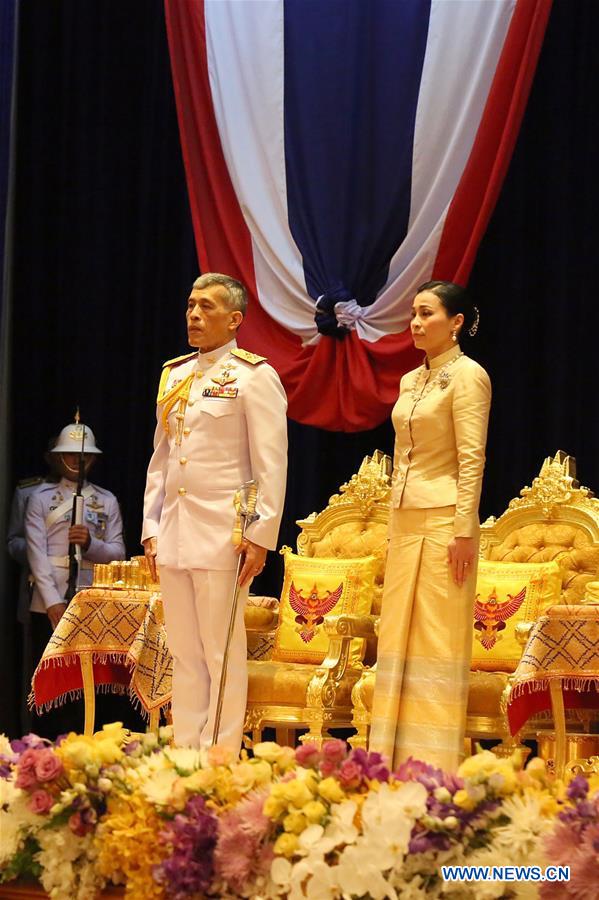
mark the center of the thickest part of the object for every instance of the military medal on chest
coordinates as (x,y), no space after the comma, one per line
(225,389)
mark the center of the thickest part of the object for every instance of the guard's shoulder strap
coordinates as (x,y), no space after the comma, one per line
(30,482)
(252,358)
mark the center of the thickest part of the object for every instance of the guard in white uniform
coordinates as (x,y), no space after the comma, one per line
(48,531)
(221,422)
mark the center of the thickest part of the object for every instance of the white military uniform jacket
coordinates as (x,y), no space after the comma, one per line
(227,427)
(47,523)
(16,543)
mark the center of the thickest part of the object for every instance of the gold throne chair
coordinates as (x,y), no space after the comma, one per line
(289,696)
(555,519)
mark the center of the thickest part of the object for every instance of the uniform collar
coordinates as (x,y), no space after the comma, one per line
(444,358)
(68,485)
(213,356)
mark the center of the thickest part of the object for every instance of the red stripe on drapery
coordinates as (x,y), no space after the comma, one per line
(474,200)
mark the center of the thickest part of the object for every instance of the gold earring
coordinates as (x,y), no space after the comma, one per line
(454,336)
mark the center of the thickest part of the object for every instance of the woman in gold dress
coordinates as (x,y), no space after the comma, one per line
(425,635)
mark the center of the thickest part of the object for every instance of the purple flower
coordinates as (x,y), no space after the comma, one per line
(578,788)
(192,836)
(130,748)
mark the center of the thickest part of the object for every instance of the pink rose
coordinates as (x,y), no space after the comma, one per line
(47,765)
(40,802)
(327,768)
(307,754)
(26,777)
(350,773)
(334,751)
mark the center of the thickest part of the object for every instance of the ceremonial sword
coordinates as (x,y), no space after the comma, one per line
(245,506)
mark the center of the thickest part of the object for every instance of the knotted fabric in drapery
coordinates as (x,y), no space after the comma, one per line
(337,155)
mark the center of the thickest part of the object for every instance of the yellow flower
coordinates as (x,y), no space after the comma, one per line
(286,844)
(128,846)
(202,781)
(294,822)
(274,807)
(482,766)
(331,790)
(243,776)
(297,792)
(262,771)
(314,811)
(462,799)
(270,751)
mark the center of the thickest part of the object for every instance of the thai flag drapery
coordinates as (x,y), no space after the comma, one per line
(339,153)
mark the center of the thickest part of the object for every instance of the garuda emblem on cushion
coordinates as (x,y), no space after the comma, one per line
(312,609)
(490,616)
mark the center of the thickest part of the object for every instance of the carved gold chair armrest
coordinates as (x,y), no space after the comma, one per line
(348,626)
(331,684)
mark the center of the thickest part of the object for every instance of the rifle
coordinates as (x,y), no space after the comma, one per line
(76,519)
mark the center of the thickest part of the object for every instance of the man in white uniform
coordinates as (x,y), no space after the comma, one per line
(221,422)
(48,532)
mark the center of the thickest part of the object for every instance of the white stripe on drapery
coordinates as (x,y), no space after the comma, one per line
(464,44)
(245,46)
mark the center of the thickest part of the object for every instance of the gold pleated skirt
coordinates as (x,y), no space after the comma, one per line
(425,644)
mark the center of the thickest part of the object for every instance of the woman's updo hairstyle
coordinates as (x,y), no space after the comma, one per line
(455,299)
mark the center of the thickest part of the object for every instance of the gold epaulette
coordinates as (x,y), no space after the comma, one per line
(166,370)
(179,359)
(30,482)
(252,358)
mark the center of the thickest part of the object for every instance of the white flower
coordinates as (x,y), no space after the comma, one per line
(147,768)
(67,861)
(341,828)
(388,815)
(359,872)
(280,871)
(10,829)
(523,833)
(323,885)
(9,792)
(158,790)
(186,759)
(313,841)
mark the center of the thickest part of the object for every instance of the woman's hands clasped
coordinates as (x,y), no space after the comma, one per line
(460,557)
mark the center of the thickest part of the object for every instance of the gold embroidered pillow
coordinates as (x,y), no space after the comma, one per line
(312,589)
(506,595)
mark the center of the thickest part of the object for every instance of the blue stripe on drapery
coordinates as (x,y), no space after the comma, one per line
(352,77)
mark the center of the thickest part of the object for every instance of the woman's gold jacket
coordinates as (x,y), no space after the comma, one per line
(440,422)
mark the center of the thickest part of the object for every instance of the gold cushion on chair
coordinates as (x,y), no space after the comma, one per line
(286,684)
(569,545)
(484,693)
(357,539)
(508,593)
(312,589)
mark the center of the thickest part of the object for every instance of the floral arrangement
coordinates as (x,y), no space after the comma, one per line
(306,823)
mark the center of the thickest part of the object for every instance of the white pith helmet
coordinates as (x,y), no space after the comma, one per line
(71,436)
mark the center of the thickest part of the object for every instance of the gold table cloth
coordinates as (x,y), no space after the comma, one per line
(559,670)
(110,638)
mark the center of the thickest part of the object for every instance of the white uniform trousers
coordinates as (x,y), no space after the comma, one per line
(197,606)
